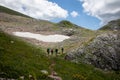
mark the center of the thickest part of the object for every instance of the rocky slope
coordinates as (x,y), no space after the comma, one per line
(112,25)
(102,51)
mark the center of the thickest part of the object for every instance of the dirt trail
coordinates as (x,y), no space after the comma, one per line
(53,74)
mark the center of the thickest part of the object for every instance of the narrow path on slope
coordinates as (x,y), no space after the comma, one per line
(53,73)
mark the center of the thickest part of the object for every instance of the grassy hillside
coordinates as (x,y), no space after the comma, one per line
(68,24)
(12,12)
(18,58)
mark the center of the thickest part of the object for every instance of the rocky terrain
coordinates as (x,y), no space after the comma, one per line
(102,51)
(112,25)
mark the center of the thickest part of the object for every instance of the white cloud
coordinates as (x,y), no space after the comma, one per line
(40,9)
(105,10)
(74,14)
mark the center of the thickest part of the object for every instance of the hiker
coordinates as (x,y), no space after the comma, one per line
(56,51)
(62,49)
(48,51)
(52,51)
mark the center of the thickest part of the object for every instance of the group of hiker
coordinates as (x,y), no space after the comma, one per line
(56,51)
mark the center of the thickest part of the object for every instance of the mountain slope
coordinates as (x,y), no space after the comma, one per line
(101,50)
(13,23)
(18,58)
(12,12)
(112,25)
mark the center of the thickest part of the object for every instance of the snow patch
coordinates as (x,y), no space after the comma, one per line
(40,37)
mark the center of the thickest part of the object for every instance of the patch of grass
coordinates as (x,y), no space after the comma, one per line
(74,71)
(18,58)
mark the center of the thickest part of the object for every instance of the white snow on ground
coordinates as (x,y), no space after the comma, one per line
(40,37)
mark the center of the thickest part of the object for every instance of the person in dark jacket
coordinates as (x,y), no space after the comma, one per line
(56,51)
(62,49)
(52,51)
(48,51)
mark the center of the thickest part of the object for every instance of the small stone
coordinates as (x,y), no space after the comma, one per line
(44,71)
(11,41)
(22,77)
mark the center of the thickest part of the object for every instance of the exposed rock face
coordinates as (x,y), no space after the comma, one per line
(68,32)
(103,52)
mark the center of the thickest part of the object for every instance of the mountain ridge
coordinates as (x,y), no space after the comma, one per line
(12,12)
(112,25)
(61,23)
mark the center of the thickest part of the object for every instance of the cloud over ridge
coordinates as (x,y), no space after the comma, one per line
(39,9)
(105,10)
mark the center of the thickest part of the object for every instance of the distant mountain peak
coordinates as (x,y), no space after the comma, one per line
(67,24)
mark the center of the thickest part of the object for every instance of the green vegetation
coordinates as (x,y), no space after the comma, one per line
(12,12)
(66,24)
(72,71)
(105,28)
(18,58)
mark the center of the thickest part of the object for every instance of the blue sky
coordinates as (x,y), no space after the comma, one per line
(82,19)
(91,14)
